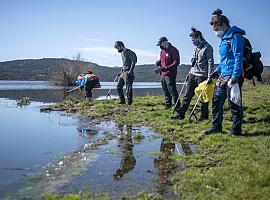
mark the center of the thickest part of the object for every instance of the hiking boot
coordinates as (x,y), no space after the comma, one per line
(88,98)
(179,117)
(212,130)
(129,103)
(122,102)
(167,107)
(232,134)
(202,118)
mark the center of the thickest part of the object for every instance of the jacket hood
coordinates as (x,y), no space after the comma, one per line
(233,30)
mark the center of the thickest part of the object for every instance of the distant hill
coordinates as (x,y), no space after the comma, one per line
(41,69)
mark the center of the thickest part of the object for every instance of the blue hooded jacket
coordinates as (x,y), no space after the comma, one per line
(82,82)
(231,62)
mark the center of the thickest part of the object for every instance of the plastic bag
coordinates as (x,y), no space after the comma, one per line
(209,90)
(235,95)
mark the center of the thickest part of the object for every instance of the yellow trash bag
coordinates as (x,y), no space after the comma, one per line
(209,90)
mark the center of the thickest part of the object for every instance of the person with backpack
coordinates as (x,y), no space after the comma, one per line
(126,76)
(229,74)
(202,67)
(167,68)
(88,81)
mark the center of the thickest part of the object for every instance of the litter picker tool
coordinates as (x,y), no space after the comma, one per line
(108,94)
(182,89)
(193,109)
(73,89)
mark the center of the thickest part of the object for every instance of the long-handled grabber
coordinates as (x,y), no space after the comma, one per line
(182,89)
(73,89)
(193,110)
(108,94)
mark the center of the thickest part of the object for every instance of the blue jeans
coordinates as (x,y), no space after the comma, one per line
(219,97)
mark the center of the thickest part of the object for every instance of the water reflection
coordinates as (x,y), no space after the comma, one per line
(42,91)
(164,164)
(126,145)
(186,148)
(53,95)
(86,132)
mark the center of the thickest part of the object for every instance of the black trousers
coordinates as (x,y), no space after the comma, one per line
(168,84)
(127,80)
(88,88)
(193,82)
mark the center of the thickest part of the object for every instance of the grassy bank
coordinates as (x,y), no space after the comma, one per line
(223,167)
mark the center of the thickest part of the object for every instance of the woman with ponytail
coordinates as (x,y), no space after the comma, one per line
(229,73)
(202,66)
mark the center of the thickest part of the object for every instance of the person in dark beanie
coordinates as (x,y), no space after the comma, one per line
(202,66)
(229,73)
(167,67)
(126,76)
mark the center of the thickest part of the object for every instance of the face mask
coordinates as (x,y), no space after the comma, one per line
(219,33)
(120,50)
(196,42)
(162,47)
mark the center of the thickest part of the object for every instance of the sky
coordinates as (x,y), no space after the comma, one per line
(33,29)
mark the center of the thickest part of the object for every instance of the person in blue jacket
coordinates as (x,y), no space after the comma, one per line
(228,71)
(88,81)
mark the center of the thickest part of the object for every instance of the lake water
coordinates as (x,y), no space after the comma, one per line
(45,92)
(58,152)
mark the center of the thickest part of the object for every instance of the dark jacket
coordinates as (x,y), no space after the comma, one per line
(169,59)
(202,61)
(129,59)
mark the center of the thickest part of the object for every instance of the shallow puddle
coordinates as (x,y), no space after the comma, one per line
(122,161)
(60,153)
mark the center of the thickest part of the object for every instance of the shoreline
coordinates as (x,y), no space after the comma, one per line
(222,165)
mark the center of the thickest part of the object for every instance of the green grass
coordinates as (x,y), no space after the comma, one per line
(223,167)
(23,101)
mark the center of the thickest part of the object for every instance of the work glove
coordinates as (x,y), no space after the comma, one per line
(163,69)
(233,80)
(130,73)
(160,69)
(209,81)
(214,75)
(157,64)
(193,61)
(119,74)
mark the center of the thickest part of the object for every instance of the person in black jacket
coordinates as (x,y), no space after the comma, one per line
(127,77)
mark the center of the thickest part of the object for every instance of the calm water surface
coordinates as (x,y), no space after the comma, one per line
(37,146)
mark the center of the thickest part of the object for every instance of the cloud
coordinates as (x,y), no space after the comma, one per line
(146,53)
(105,55)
